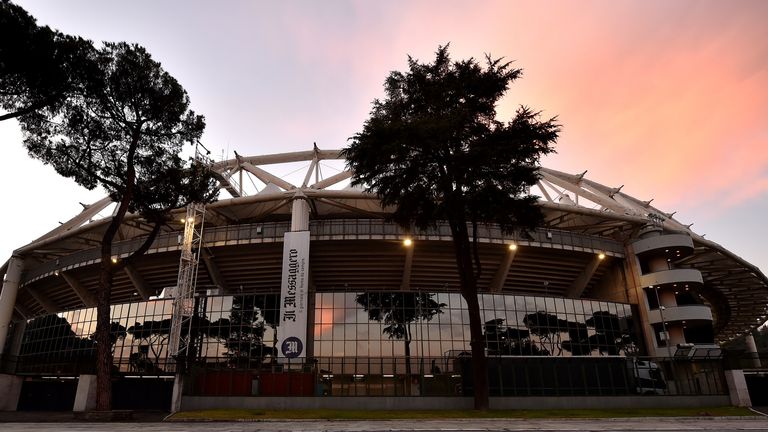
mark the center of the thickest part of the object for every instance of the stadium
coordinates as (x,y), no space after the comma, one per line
(294,290)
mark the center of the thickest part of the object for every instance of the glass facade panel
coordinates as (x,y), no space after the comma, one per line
(437,325)
(241,331)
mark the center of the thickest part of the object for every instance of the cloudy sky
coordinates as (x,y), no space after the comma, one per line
(667,98)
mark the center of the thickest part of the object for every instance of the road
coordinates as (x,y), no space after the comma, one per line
(473,425)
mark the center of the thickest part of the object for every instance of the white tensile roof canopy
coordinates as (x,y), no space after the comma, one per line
(260,190)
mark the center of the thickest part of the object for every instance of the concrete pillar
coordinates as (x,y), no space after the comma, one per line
(676,335)
(85,398)
(754,357)
(667,298)
(8,296)
(300,222)
(657,264)
(632,271)
(10,390)
(737,388)
(300,214)
(18,337)
(178,393)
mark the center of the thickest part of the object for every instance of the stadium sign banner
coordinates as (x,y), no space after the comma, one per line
(294,298)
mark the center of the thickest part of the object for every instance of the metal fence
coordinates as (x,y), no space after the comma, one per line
(417,376)
(508,376)
(745,360)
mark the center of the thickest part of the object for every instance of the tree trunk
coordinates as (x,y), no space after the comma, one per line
(103,320)
(407,345)
(103,342)
(274,342)
(463,253)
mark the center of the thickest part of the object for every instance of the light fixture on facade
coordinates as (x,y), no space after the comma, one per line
(407,242)
(512,246)
(114,260)
(601,256)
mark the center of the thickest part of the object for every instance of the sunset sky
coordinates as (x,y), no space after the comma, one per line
(669,98)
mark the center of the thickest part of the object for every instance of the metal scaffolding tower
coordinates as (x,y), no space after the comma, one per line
(184,296)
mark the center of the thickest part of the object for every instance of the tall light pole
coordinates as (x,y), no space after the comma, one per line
(663,322)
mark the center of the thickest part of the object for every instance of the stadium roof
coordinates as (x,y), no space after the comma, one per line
(245,228)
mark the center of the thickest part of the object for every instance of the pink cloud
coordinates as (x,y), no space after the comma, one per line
(666,98)
(673,106)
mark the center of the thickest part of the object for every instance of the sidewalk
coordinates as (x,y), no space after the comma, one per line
(67,417)
(722,424)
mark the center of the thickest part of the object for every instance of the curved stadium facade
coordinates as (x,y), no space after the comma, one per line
(303,289)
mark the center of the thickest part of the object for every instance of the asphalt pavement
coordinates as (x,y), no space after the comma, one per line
(725,424)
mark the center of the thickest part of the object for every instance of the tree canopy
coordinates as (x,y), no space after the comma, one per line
(40,67)
(243,334)
(397,310)
(123,131)
(433,150)
(125,135)
(508,341)
(53,335)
